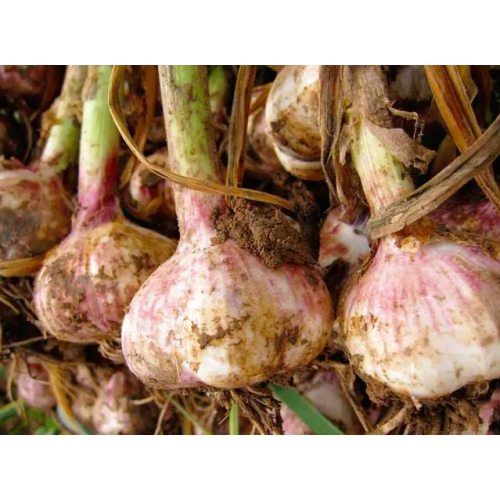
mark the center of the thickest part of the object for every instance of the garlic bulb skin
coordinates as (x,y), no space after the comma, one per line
(292,116)
(86,284)
(35,213)
(423,317)
(325,393)
(236,325)
(339,240)
(476,216)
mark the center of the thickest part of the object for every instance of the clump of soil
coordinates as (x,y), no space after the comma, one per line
(263,231)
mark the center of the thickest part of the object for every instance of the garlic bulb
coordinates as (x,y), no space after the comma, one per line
(292,116)
(239,322)
(113,411)
(150,197)
(410,83)
(339,240)
(33,386)
(325,393)
(30,81)
(86,284)
(260,160)
(35,211)
(478,216)
(422,317)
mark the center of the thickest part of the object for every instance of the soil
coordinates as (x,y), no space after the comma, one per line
(263,231)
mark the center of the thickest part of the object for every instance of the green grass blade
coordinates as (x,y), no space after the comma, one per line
(9,411)
(305,410)
(234,419)
(76,429)
(188,415)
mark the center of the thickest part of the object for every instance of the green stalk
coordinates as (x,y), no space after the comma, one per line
(188,121)
(234,419)
(100,142)
(61,148)
(217,89)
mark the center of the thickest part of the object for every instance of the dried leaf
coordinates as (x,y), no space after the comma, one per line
(238,124)
(454,104)
(21,267)
(402,147)
(429,196)
(150,83)
(335,140)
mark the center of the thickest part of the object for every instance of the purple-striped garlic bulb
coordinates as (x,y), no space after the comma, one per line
(422,316)
(86,284)
(114,412)
(292,116)
(33,386)
(325,393)
(35,212)
(469,213)
(340,240)
(214,314)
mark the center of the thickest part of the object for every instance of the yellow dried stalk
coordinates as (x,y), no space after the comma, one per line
(453,102)
(21,267)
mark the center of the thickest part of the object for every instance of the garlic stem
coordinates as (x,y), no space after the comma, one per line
(217,89)
(188,121)
(191,144)
(99,143)
(61,148)
(383,177)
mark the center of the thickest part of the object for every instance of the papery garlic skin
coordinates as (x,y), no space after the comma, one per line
(325,393)
(423,319)
(35,213)
(86,284)
(228,330)
(339,240)
(292,116)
